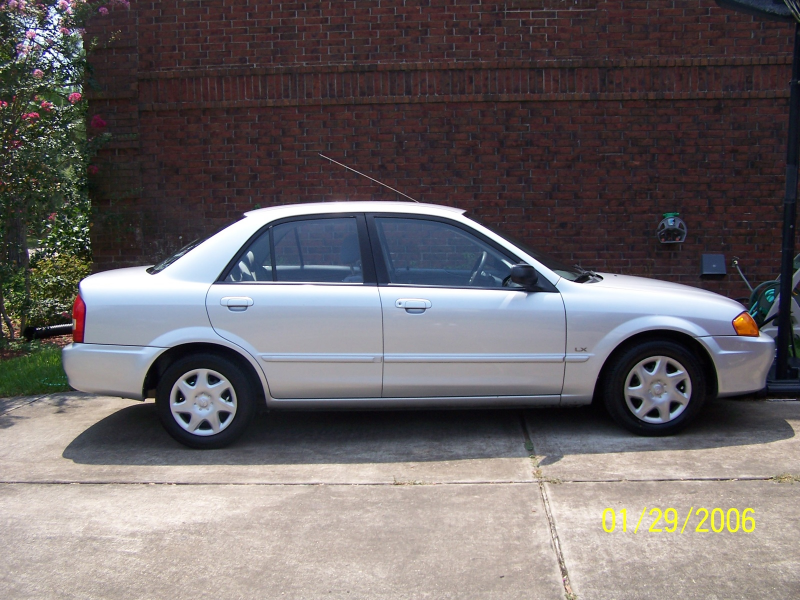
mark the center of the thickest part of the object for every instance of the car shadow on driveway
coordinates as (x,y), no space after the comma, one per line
(721,424)
(134,436)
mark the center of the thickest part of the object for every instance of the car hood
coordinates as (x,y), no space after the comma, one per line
(641,303)
(629,282)
(670,298)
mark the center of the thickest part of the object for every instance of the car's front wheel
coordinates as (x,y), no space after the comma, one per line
(205,401)
(655,388)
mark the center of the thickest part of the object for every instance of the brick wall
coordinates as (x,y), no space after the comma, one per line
(575,123)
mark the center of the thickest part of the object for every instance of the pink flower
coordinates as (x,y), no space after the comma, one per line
(12,4)
(103,10)
(63,31)
(92,170)
(3,103)
(47,105)
(74,97)
(38,73)
(63,4)
(30,34)
(51,217)
(31,116)
(97,122)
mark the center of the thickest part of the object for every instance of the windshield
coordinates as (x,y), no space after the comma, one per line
(556,266)
(173,257)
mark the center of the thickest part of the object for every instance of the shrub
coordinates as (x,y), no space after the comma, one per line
(54,285)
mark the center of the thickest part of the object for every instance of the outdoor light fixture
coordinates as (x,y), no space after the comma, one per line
(672,229)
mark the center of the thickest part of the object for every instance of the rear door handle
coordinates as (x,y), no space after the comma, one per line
(236,304)
(415,305)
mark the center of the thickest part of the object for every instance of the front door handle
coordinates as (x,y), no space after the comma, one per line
(236,304)
(413,305)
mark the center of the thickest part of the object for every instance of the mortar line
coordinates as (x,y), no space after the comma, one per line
(537,473)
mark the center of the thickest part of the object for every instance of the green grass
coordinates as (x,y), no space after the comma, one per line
(37,373)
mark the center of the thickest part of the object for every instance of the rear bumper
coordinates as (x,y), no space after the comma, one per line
(742,363)
(109,370)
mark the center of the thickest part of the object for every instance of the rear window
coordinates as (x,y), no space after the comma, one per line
(157,268)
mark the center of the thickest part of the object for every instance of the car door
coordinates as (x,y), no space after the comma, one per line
(301,298)
(452,326)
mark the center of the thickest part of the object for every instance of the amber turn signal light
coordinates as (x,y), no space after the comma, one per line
(745,325)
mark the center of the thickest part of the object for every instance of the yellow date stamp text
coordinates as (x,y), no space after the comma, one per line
(703,520)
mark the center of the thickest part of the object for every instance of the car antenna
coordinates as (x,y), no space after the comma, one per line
(368,177)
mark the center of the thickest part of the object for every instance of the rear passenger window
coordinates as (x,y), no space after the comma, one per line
(305,251)
(318,251)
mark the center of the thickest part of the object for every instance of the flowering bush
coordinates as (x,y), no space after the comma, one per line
(44,140)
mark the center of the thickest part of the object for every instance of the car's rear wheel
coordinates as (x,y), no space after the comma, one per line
(205,401)
(655,388)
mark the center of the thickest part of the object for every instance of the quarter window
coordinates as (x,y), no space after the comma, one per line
(255,264)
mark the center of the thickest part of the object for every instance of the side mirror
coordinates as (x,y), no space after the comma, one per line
(525,276)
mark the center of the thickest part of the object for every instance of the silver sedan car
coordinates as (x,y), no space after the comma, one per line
(399,305)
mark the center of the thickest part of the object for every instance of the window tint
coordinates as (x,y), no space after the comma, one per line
(308,251)
(420,252)
(255,264)
(318,250)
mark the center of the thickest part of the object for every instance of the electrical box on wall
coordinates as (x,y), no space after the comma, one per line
(671,230)
(713,264)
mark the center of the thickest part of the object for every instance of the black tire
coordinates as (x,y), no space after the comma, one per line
(205,401)
(654,388)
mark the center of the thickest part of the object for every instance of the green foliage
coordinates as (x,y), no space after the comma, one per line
(45,141)
(67,231)
(54,285)
(38,373)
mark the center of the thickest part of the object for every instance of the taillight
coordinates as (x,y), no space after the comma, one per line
(78,319)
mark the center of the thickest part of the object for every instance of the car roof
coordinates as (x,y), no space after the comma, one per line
(311,208)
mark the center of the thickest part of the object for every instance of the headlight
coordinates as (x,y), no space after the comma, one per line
(745,325)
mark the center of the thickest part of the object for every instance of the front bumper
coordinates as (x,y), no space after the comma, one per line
(109,370)
(742,363)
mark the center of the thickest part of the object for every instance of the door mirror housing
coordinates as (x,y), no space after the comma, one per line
(526,277)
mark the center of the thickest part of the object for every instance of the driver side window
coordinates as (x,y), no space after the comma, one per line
(432,253)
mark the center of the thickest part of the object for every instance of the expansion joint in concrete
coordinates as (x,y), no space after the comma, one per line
(556,543)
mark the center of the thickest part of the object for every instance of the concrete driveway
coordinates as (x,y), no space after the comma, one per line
(96,501)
